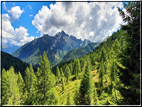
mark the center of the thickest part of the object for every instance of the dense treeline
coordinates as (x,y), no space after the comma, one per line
(131,53)
(36,88)
(110,75)
(9,60)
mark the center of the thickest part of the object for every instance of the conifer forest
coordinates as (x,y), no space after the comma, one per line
(109,75)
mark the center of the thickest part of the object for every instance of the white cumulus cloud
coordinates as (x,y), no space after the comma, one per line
(18,36)
(15,12)
(93,20)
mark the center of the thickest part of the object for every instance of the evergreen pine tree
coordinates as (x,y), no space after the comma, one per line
(67,72)
(86,91)
(58,75)
(27,79)
(96,100)
(33,84)
(12,89)
(5,87)
(76,95)
(21,85)
(52,98)
(77,68)
(30,85)
(71,68)
(62,79)
(115,63)
(131,49)
(46,81)
(102,69)
(61,72)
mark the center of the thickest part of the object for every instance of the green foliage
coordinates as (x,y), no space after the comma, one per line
(27,80)
(80,52)
(62,79)
(45,81)
(21,86)
(67,72)
(10,93)
(30,85)
(52,98)
(109,60)
(77,68)
(58,75)
(110,75)
(76,95)
(5,86)
(102,68)
(86,91)
(61,72)
(71,67)
(95,96)
(68,99)
(8,61)
(131,51)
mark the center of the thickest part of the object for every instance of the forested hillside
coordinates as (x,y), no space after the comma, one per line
(110,75)
(8,61)
(80,52)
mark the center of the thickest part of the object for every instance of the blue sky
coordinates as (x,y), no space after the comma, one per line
(30,10)
(22,22)
(25,20)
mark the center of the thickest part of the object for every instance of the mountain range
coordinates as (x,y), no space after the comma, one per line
(56,47)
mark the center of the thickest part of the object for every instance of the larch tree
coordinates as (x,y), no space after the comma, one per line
(12,89)
(86,91)
(71,68)
(77,68)
(62,79)
(30,85)
(21,85)
(33,84)
(131,59)
(46,81)
(58,75)
(67,72)
(102,68)
(5,87)
(76,95)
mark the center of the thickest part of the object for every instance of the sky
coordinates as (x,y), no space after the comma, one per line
(22,22)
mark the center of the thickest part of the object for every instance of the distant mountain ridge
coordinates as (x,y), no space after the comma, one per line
(55,46)
(80,52)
